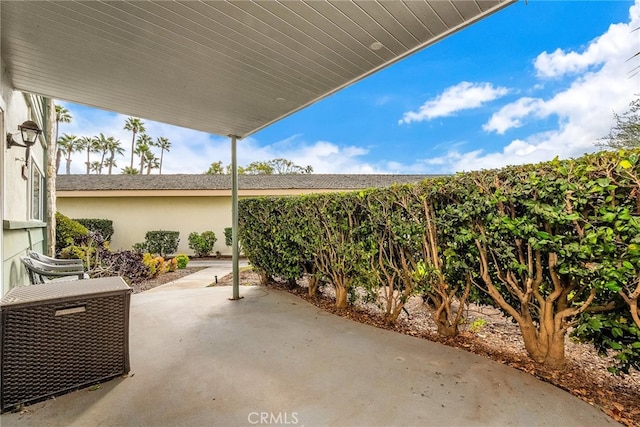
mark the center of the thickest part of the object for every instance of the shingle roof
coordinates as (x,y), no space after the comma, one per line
(223,182)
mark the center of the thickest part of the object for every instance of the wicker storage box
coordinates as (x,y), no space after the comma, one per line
(62,336)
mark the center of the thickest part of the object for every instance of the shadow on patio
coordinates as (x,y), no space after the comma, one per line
(198,359)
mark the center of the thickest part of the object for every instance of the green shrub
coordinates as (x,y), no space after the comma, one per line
(68,231)
(159,242)
(104,226)
(140,247)
(612,331)
(182,261)
(202,244)
(228,236)
(84,253)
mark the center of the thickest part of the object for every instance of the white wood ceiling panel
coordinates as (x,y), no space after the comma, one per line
(224,67)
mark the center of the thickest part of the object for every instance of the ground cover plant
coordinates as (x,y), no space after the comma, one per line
(554,246)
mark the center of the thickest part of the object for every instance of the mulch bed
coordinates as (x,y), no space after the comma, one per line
(163,278)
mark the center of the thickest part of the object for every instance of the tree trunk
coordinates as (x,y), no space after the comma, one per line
(555,357)
(58,160)
(265,279)
(531,341)
(634,311)
(51,179)
(313,286)
(133,146)
(544,346)
(341,296)
(446,330)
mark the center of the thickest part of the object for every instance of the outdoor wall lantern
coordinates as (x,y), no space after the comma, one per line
(30,132)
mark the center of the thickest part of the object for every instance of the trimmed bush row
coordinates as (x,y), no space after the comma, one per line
(555,246)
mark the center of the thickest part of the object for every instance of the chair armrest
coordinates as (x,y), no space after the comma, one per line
(53,270)
(54,261)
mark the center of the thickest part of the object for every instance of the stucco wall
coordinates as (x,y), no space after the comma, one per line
(133,216)
(16,243)
(15,190)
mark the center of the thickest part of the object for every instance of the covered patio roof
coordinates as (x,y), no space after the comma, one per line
(223,67)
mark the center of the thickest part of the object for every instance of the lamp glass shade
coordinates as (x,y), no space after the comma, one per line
(30,132)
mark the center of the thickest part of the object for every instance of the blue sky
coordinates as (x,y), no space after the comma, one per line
(529,83)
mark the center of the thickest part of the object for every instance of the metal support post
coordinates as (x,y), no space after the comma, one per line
(234,220)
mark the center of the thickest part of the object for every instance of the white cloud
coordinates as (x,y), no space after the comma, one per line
(323,156)
(462,96)
(559,63)
(510,115)
(583,110)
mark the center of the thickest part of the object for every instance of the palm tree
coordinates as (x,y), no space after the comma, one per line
(87,143)
(62,116)
(136,126)
(164,145)
(130,171)
(142,147)
(151,161)
(96,167)
(102,146)
(110,164)
(114,147)
(68,144)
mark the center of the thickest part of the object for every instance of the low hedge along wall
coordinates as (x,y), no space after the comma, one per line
(553,245)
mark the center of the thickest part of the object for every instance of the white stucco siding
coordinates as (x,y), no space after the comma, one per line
(19,233)
(15,187)
(133,216)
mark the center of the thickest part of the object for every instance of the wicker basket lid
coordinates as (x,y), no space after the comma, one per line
(64,289)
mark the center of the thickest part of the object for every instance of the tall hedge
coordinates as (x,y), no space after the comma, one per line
(104,226)
(553,245)
(68,231)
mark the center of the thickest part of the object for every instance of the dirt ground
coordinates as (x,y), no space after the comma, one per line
(498,338)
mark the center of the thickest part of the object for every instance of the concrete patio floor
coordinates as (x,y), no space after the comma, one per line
(198,359)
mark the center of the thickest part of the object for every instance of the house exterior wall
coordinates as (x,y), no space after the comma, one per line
(20,231)
(133,216)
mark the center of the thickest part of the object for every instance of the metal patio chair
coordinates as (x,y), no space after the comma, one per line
(54,261)
(40,272)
